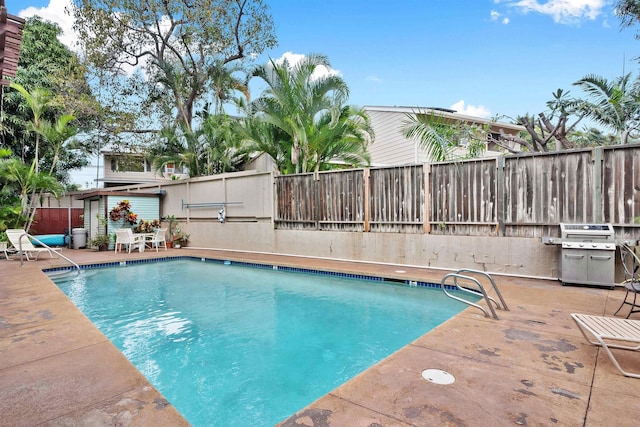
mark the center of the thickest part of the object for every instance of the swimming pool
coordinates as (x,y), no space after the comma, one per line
(239,346)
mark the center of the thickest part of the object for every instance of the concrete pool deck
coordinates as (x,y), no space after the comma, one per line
(532,367)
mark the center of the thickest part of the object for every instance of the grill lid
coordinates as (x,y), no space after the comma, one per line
(587,232)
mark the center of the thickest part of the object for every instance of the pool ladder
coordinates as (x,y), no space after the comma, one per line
(463,279)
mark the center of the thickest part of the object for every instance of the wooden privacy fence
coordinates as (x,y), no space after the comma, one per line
(521,195)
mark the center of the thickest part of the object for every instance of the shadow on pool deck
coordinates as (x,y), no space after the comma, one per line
(532,367)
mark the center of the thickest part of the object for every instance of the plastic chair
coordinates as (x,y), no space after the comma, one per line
(126,239)
(159,239)
(631,264)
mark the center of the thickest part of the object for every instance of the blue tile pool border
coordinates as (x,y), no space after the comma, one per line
(252,265)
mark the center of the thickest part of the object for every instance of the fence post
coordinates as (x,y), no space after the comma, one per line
(597,154)
(500,196)
(366,174)
(316,198)
(426,171)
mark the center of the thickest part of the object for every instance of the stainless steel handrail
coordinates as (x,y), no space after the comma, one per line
(480,291)
(30,237)
(493,283)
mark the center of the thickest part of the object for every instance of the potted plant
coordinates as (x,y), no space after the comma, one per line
(172,229)
(180,239)
(101,241)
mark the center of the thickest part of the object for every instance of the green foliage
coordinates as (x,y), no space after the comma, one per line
(302,121)
(180,43)
(53,76)
(214,147)
(19,185)
(613,104)
(439,137)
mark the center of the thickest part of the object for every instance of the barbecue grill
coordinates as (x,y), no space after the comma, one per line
(588,254)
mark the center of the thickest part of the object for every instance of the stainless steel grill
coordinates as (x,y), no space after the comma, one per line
(588,254)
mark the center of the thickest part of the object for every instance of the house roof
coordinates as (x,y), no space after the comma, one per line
(95,194)
(446,113)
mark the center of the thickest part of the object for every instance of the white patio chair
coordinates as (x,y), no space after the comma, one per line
(126,239)
(159,239)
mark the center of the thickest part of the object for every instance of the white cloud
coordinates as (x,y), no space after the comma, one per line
(471,110)
(56,12)
(374,79)
(563,11)
(495,16)
(320,71)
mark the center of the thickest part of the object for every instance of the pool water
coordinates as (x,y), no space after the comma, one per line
(240,346)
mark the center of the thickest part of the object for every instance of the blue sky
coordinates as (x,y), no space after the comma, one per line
(485,58)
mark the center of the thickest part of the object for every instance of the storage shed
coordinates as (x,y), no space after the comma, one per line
(98,204)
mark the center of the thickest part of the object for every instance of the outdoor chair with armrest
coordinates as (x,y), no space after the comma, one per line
(631,265)
(159,239)
(126,239)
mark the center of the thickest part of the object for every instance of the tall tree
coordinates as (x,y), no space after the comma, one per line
(614,104)
(310,109)
(629,13)
(47,66)
(547,131)
(178,42)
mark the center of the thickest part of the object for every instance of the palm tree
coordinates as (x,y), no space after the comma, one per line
(342,139)
(437,138)
(224,148)
(57,134)
(310,110)
(38,100)
(23,181)
(212,148)
(180,146)
(223,83)
(614,104)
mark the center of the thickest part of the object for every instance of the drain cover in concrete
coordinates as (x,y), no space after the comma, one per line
(438,376)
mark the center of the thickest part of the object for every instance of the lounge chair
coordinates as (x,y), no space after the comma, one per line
(21,242)
(126,239)
(606,330)
(159,239)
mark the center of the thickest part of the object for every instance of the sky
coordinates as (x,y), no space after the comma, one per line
(484,58)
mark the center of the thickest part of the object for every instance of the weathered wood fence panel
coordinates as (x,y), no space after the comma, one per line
(621,187)
(463,193)
(549,189)
(341,200)
(522,195)
(295,202)
(397,199)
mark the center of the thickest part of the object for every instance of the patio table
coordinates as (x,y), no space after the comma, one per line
(145,237)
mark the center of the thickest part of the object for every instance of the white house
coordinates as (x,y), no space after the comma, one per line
(390,147)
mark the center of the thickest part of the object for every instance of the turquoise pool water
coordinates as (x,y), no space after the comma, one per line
(241,346)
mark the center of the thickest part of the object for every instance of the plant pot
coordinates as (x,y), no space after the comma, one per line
(103,247)
(177,246)
(169,244)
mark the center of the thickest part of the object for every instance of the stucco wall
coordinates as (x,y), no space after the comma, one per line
(508,255)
